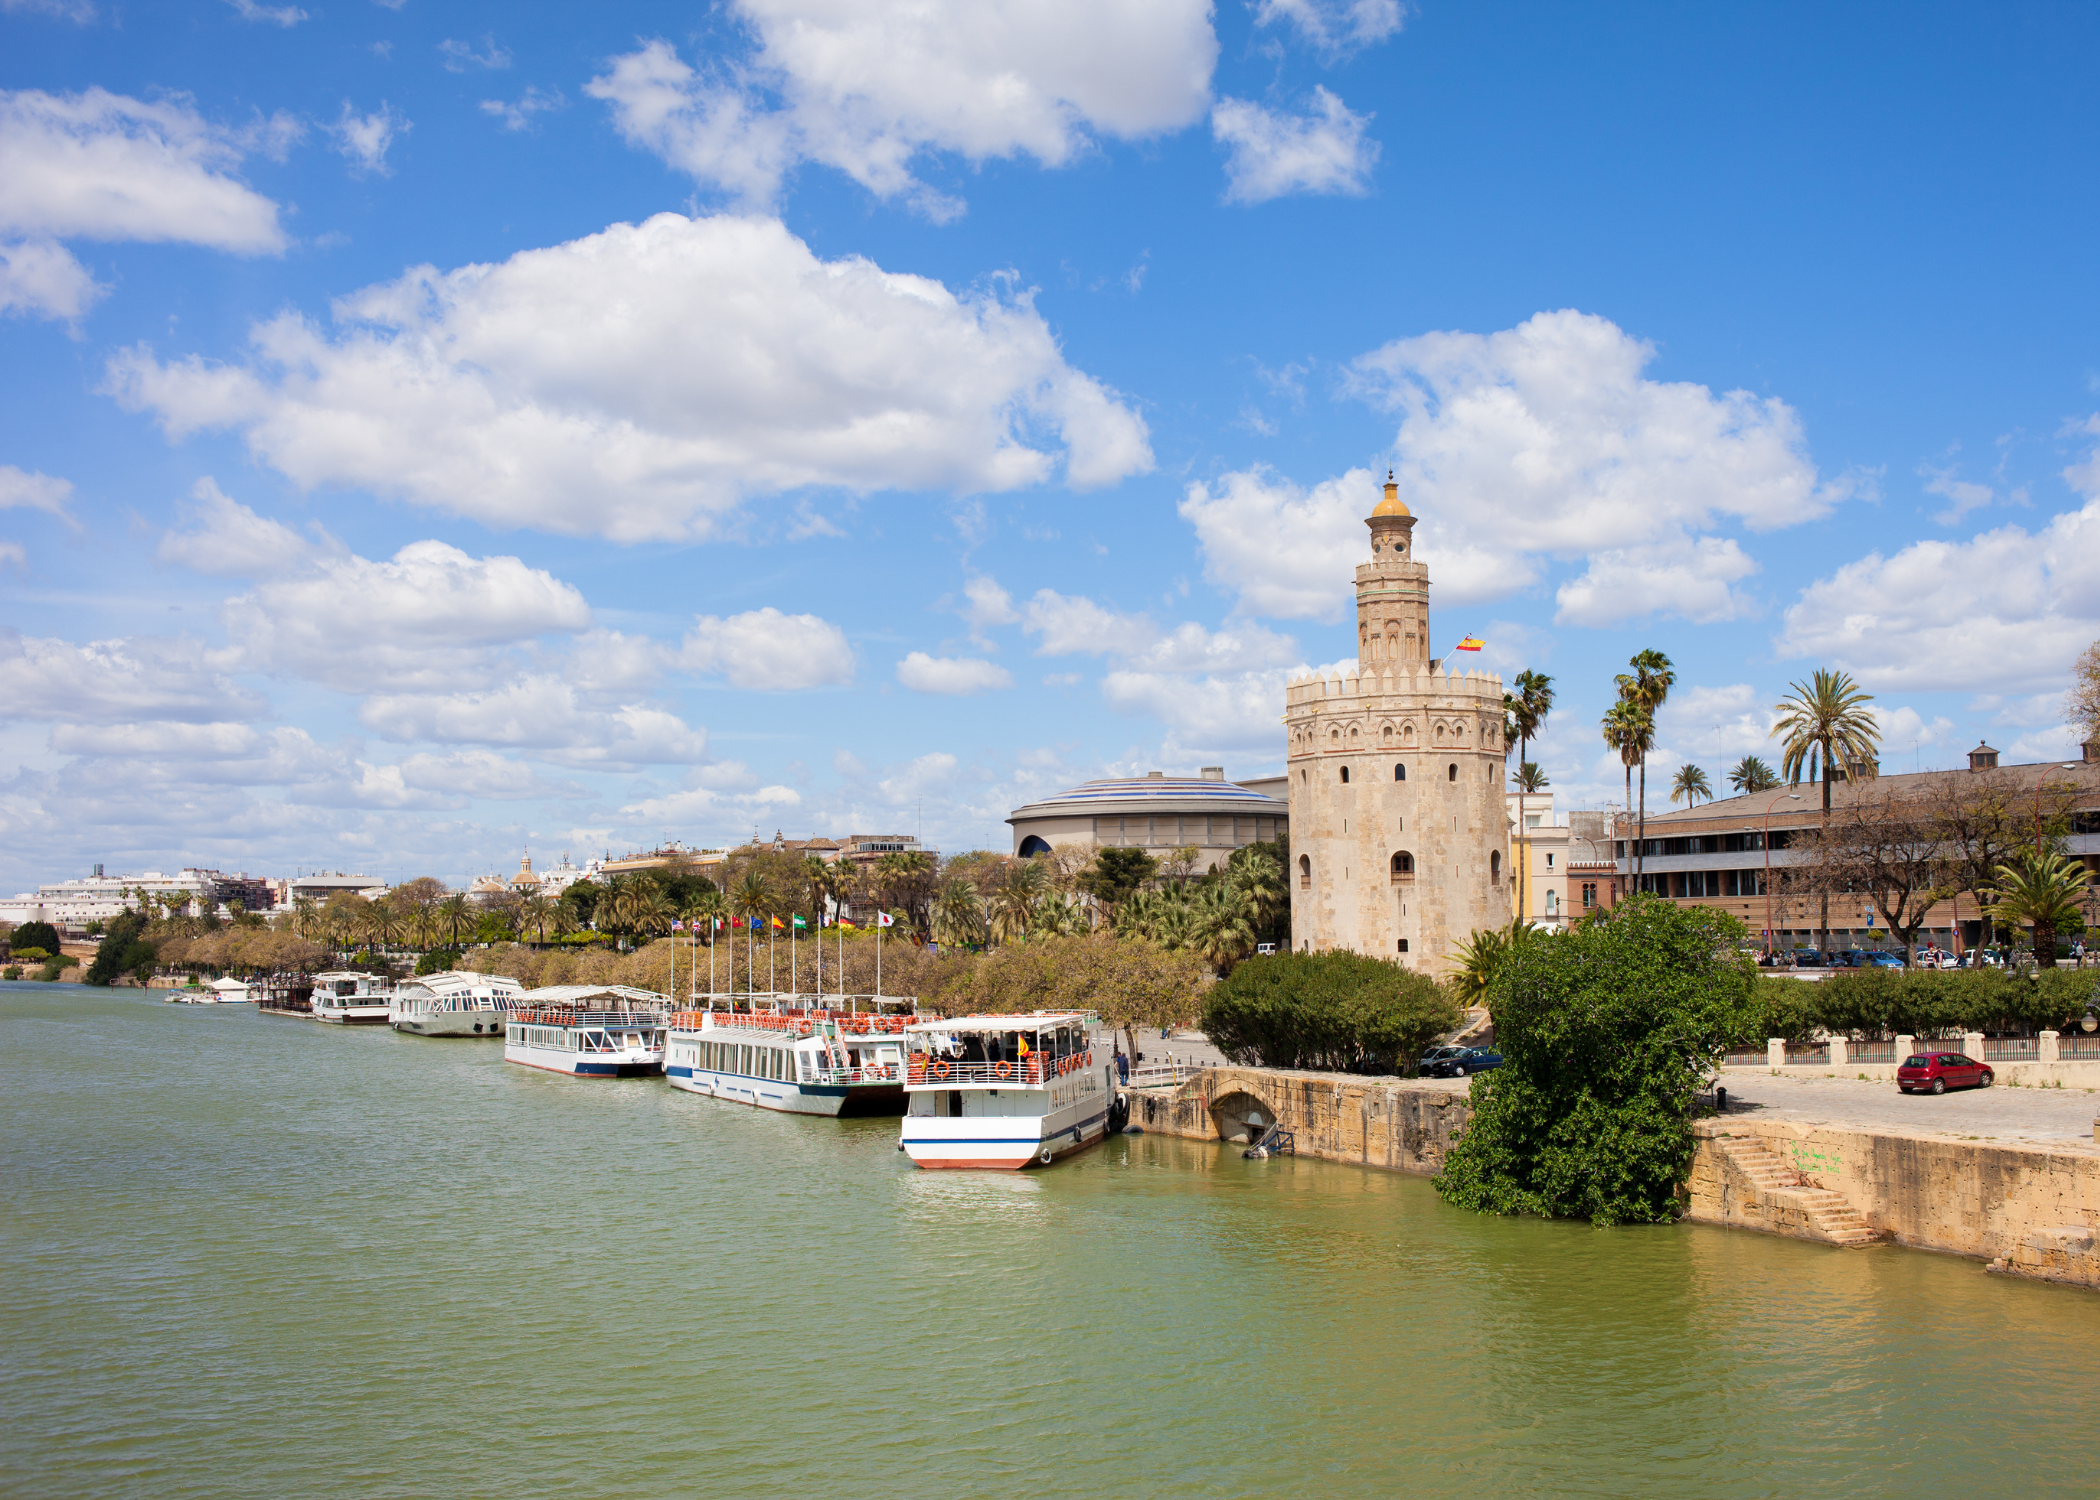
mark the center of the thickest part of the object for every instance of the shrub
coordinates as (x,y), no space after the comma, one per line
(32,955)
(438,960)
(1921,1002)
(56,969)
(39,935)
(1325,1010)
(12,971)
(123,951)
(1606,1032)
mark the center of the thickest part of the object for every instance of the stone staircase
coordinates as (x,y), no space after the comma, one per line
(1816,1213)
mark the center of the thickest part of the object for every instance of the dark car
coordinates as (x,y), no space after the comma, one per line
(1807,958)
(1937,1072)
(1458,1062)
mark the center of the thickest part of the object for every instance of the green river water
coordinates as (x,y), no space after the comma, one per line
(252,1255)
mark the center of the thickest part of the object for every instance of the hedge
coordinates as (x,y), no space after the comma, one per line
(1876,1003)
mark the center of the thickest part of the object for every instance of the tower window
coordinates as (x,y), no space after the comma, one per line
(1452,775)
(1345,775)
(1495,867)
(1399,773)
(1403,867)
(1305,872)
(1403,945)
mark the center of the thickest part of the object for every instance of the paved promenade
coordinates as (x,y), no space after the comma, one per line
(2055,1117)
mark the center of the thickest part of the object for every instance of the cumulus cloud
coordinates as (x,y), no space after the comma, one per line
(2006,609)
(1335,28)
(1072,623)
(541,713)
(103,166)
(366,139)
(643,382)
(225,538)
(1679,575)
(518,116)
(769,650)
(117,681)
(951,676)
(988,604)
(1285,552)
(869,90)
(1237,711)
(1273,155)
(460,56)
(14,555)
(34,491)
(424,618)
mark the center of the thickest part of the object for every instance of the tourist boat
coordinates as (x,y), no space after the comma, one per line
(806,1055)
(454,1003)
(1006,1091)
(348,997)
(218,992)
(588,1030)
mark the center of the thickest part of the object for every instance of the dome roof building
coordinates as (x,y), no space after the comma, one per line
(1157,813)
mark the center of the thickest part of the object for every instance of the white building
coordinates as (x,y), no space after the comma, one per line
(70,905)
(320,885)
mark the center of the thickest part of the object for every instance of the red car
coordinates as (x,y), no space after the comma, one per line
(1937,1072)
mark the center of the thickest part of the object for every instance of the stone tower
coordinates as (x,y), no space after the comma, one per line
(1399,837)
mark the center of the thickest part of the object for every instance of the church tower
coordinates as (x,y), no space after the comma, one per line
(1399,834)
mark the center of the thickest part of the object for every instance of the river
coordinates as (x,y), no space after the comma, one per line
(251,1255)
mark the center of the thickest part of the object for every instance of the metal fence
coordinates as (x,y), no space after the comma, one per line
(1870,1052)
(2010,1049)
(1814,1054)
(2079,1049)
(1163,1075)
(1744,1058)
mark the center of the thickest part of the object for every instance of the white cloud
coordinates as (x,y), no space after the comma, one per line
(1191,648)
(869,89)
(541,713)
(933,772)
(102,166)
(116,681)
(34,491)
(1963,495)
(952,676)
(642,382)
(272,15)
(65,10)
(41,276)
(1272,155)
(2005,610)
(14,555)
(1335,27)
(1724,723)
(366,139)
(423,619)
(763,648)
(227,539)
(1238,710)
(1073,623)
(460,56)
(161,738)
(1286,552)
(1678,575)
(533,101)
(988,604)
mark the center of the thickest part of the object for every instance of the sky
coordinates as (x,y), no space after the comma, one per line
(430,432)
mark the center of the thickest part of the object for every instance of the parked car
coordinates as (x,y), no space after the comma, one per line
(1807,958)
(1458,1062)
(1883,961)
(1937,1072)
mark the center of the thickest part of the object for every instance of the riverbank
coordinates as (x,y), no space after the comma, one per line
(2026,1205)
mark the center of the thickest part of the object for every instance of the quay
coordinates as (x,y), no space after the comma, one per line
(1816,1168)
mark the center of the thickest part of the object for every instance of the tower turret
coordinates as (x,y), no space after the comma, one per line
(1392,590)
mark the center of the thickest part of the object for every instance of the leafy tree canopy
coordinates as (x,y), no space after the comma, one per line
(1334,1011)
(35,935)
(123,951)
(1116,874)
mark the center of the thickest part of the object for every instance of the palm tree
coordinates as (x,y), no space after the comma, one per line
(1647,687)
(454,916)
(1223,925)
(535,912)
(1013,908)
(423,926)
(957,914)
(1825,722)
(652,909)
(2047,890)
(1258,875)
(1690,786)
(1752,775)
(1630,732)
(1058,915)
(1481,957)
(1528,709)
(1530,778)
(303,910)
(382,923)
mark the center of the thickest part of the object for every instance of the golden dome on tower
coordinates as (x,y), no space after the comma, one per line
(1391,505)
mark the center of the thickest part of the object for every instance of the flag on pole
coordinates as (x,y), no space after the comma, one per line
(678,926)
(758,924)
(799,924)
(1471,643)
(778,925)
(844,923)
(884,919)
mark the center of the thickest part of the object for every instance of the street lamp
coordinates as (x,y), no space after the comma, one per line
(1766,839)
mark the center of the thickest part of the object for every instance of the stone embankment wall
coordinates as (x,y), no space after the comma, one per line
(1403,1124)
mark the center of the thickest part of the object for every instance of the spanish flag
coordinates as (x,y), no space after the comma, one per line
(1471,643)
(778,925)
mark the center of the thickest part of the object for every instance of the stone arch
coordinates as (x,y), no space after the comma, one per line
(1345,775)
(1241,1116)
(1305,872)
(1436,733)
(1385,735)
(1356,733)
(1407,734)
(1334,736)
(1494,867)
(1452,774)
(1458,732)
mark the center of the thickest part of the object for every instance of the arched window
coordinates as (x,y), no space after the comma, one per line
(1403,945)
(1452,774)
(1399,773)
(1385,735)
(1345,775)
(1494,867)
(1305,872)
(1403,867)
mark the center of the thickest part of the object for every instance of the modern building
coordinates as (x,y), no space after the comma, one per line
(1734,854)
(322,884)
(71,904)
(1157,813)
(1399,830)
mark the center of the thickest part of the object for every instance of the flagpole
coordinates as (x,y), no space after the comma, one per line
(792,971)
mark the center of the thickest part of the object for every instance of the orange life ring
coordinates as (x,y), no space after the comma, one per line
(1004,1070)
(940,1069)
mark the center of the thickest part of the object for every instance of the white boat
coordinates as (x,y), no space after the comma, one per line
(218,992)
(349,997)
(806,1055)
(1006,1091)
(453,1003)
(588,1030)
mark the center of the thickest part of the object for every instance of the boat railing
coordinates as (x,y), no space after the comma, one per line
(1034,1071)
(872,1073)
(555,1015)
(795,1022)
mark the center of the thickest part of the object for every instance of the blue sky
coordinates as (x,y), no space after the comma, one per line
(433,431)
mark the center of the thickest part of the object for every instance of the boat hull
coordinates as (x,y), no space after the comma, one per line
(586,1065)
(352,1015)
(486,1024)
(1064,1117)
(846,1101)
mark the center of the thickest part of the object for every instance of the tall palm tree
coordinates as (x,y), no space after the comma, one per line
(1058,915)
(957,914)
(455,916)
(382,923)
(1222,925)
(1647,687)
(1259,877)
(535,914)
(423,926)
(1752,775)
(1528,709)
(653,911)
(1690,786)
(303,914)
(1629,731)
(1530,778)
(1013,908)
(2044,889)
(1825,722)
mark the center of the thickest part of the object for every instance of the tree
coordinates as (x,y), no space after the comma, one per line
(1690,786)
(1646,688)
(1116,875)
(1606,1032)
(1630,732)
(1825,722)
(1334,1011)
(39,935)
(2043,889)
(1530,778)
(454,916)
(1528,708)
(124,950)
(957,914)
(536,914)
(2082,703)
(1752,775)
(1480,958)
(1223,925)
(1988,818)
(1014,905)
(1890,850)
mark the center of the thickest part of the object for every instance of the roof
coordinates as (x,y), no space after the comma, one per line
(1034,1021)
(568,994)
(1749,810)
(1155,789)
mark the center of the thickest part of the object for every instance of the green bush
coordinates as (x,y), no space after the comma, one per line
(56,969)
(12,971)
(438,960)
(32,955)
(1922,1002)
(1606,1033)
(1331,1011)
(39,935)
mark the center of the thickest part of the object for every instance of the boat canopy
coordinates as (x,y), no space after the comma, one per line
(581,996)
(1040,1020)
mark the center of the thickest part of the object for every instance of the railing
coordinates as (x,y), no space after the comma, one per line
(2079,1049)
(1162,1075)
(875,1073)
(1809,1055)
(1870,1052)
(2010,1049)
(1037,1070)
(1745,1058)
(555,1015)
(795,1022)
